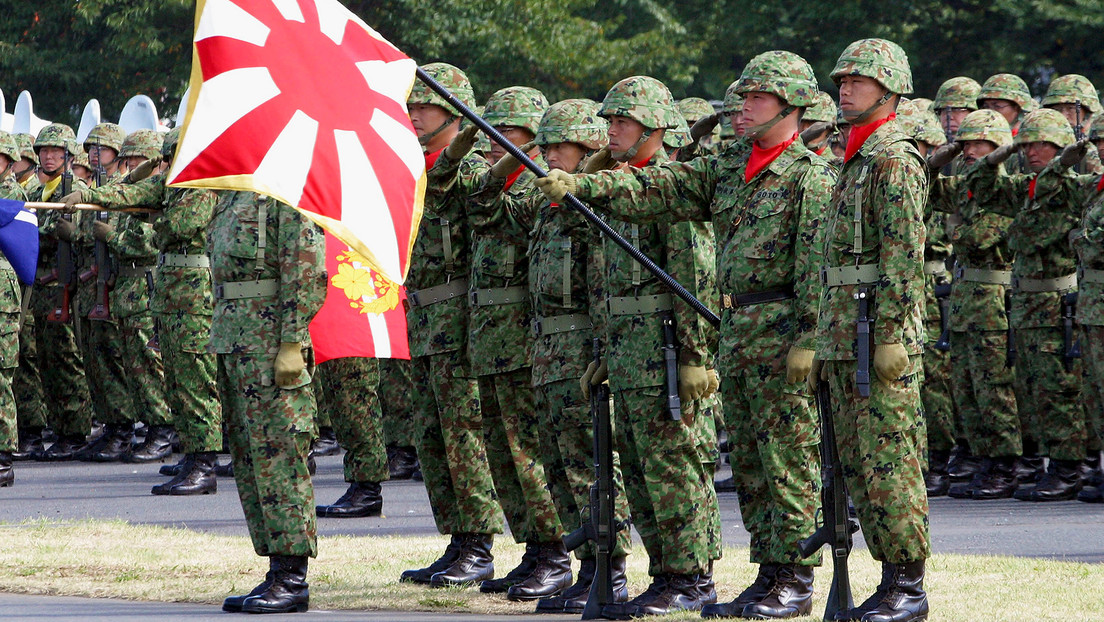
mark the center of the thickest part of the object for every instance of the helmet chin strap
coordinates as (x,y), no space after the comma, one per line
(756,132)
(627,156)
(865,114)
(425,139)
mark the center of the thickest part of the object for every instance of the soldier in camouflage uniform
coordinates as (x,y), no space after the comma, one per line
(268,285)
(1078,101)
(1048,382)
(694,109)
(398,417)
(61,361)
(873,258)
(11,303)
(982,379)
(1007,94)
(823,110)
(678,523)
(955,99)
(449,426)
(24,169)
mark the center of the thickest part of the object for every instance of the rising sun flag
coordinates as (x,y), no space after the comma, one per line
(302,101)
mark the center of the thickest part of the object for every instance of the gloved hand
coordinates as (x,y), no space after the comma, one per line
(1000,154)
(144,169)
(289,364)
(508,164)
(598,161)
(101,230)
(65,230)
(714,383)
(693,382)
(70,200)
(596,373)
(799,361)
(1072,155)
(462,143)
(556,185)
(890,361)
(704,126)
(816,370)
(942,156)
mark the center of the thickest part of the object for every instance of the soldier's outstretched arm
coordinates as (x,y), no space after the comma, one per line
(145,193)
(994,190)
(668,192)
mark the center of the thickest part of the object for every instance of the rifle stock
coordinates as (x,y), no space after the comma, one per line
(66,268)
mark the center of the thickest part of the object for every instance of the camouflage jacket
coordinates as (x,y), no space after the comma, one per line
(10,292)
(293,255)
(47,221)
(1088,241)
(769,232)
(10,189)
(937,249)
(980,243)
(876,217)
(442,255)
(1038,235)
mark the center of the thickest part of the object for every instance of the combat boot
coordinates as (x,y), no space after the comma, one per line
(402,461)
(631,608)
(225,470)
(706,587)
(868,605)
(197,477)
(7,471)
(1091,474)
(30,442)
(937,479)
(65,448)
(233,604)
(172,470)
(423,575)
(905,599)
(963,465)
(574,599)
(112,445)
(157,445)
(550,576)
(515,576)
(288,592)
(998,481)
(361,499)
(1029,469)
(727,484)
(679,592)
(1061,482)
(790,595)
(474,564)
(752,593)
(326,443)
(1091,495)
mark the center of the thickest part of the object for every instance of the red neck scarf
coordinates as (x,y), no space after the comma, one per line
(821,151)
(512,177)
(857,138)
(1100,184)
(760,158)
(431,158)
(1031,187)
(1015,131)
(641,163)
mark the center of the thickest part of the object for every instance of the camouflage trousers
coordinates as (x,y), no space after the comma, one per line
(191,380)
(396,403)
(879,440)
(27,383)
(1049,396)
(346,389)
(775,458)
(449,438)
(511,432)
(939,406)
(1092,361)
(129,378)
(567,451)
(670,491)
(269,433)
(982,389)
(61,364)
(10,297)
(101,351)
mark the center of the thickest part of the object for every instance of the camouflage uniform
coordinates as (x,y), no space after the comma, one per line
(11,300)
(394,396)
(1012,89)
(266,296)
(1077,90)
(347,392)
(1088,241)
(694,109)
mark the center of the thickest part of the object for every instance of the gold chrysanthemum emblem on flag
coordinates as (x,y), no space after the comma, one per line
(368,291)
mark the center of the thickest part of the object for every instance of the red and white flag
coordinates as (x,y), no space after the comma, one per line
(302,101)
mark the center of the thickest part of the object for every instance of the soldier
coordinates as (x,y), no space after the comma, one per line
(449,427)
(767,207)
(694,109)
(955,99)
(982,381)
(1048,380)
(1078,101)
(23,169)
(1008,95)
(656,446)
(398,418)
(12,306)
(873,272)
(823,111)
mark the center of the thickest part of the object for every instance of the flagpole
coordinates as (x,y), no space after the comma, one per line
(667,280)
(86,207)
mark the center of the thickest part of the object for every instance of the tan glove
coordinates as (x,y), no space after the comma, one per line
(596,373)
(556,185)
(462,143)
(1000,154)
(799,361)
(102,230)
(70,200)
(1072,155)
(144,169)
(714,383)
(65,230)
(289,364)
(890,361)
(693,382)
(704,126)
(816,370)
(598,161)
(942,156)
(508,164)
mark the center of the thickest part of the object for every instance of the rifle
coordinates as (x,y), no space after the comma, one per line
(862,369)
(836,525)
(943,296)
(603,526)
(1010,333)
(670,358)
(1071,348)
(102,268)
(66,266)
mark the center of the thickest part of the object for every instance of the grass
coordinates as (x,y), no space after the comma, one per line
(138,562)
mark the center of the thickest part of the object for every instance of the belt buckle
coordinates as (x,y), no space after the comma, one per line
(473,298)
(413,298)
(824,276)
(219,291)
(726,301)
(536,327)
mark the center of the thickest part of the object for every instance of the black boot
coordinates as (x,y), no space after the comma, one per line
(963,465)
(474,564)
(706,587)
(7,471)
(515,576)
(551,576)
(402,461)
(790,595)
(1091,495)
(905,600)
(225,470)
(64,449)
(937,480)
(197,477)
(998,481)
(288,592)
(172,470)
(727,484)
(233,604)
(868,605)
(361,499)
(631,608)
(30,442)
(158,445)
(676,592)
(574,598)
(752,593)
(1061,482)
(1091,475)
(326,443)
(1029,468)
(112,445)
(423,575)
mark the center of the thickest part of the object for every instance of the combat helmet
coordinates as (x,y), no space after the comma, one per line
(822,110)
(733,101)
(9,147)
(519,106)
(81,159)
(987,125)
(880,59)
(56,135)
(694,109)
(958,92)
(679,136)
(1010,87)
(106,135)
(142,143)
(922,126)
(1073,89)
(914,106)
(455,81)
(780,73)
(645,100)
(1096,132)
(573,121)
(1045,125)
(26,147)
(168,145)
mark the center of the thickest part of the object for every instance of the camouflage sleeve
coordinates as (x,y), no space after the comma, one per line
(187,215)
(447,195)
(596,282)
(691,260)
(511,214)
(938,243)
(132,238)
(812,205)
(995,191)
(147,192)
(944,193)
(899,198)
(985,231)
(442,175)
(668,192)
(1058,188)
(302,268)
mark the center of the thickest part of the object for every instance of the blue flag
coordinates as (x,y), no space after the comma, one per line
(19,239)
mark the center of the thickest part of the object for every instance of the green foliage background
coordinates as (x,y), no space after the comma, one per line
(68,51)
